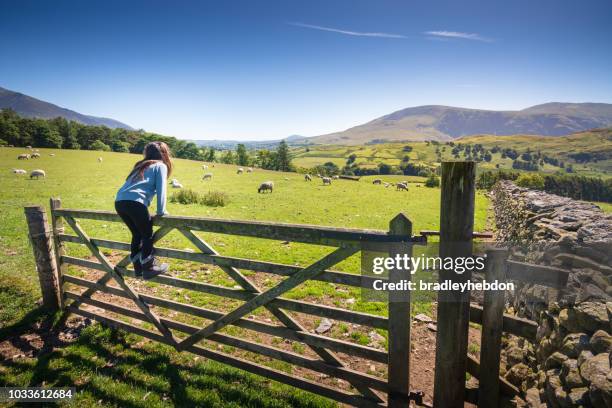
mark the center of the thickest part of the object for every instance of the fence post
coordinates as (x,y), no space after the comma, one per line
(46,266)
(456,234)
(399,321)
(492,327)
(57,225)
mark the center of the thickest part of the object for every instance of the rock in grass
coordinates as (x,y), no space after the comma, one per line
(324,326)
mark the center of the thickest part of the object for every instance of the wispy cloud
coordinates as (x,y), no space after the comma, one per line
(457,35)
(347,32)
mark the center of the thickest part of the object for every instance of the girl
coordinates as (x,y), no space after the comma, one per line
(147,178)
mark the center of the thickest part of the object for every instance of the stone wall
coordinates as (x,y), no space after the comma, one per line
(569,366)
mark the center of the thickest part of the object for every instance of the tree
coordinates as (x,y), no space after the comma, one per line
(384,168)
(228,157)
(210,156)
(432,181)
(283,162)
(242,156)
(99,145)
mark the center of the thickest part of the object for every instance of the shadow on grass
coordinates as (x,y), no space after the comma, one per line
(109,370)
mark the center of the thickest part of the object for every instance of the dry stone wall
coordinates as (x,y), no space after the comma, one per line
(569,366)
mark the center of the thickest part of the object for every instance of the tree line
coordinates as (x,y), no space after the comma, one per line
(60,133)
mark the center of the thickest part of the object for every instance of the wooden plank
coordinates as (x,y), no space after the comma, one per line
(240,263)
(473,367)
(269,295)
(399,322)
(537,274)
(283,317)
(492,328)
(57,226)
(119,279)
(273,330)
(330,312)
(307,385)
(512,324)
(309,234)
(349,375)
(433,233)
(456,234)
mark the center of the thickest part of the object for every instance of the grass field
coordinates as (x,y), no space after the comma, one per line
(82,182)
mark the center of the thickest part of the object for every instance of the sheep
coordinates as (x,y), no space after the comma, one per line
(175,184)
(23,156)
(35,155)
(99,160)
(307,177)
(38,173)
(52,154)
(326,180)
(386,184)
(29,147)
(401,186)
(249,170)
(19,171)
(265,186)
(207,176)
(204,166)
(377,181)
(240,170)
(336,177)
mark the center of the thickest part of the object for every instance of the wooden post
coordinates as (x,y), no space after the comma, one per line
(57,225)
(492,327)
(399,321)
(40,236)
(456,232)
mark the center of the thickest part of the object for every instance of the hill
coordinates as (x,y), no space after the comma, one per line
(443,123)
(31,107)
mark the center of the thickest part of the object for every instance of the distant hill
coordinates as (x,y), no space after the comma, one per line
(294,140)
(30,107)
(435,122)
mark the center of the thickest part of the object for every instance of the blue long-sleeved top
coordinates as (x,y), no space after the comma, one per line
(142,190)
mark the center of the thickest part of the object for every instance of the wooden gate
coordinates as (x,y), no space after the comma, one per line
(370,390)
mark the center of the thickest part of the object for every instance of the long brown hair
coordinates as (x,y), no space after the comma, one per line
(153,152)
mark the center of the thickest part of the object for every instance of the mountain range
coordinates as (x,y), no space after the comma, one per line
(30,107)
(436,122)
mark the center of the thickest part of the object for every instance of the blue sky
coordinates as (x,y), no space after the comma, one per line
(268,69)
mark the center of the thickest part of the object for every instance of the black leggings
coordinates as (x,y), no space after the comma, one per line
(136,216)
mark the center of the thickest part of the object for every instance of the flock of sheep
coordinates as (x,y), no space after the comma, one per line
(34,154)
(401,186)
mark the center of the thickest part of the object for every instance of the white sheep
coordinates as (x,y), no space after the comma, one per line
(401,186)
(336,177)
(99,160)
(38,173)
(52,154)
(19,171)
(23,156)
(176,184)
(266,186)
(204,166)
(386,184)
(377,181)
(326,180)
(307,177)
(35,155)
(249,169)
(240,170)
(207,176)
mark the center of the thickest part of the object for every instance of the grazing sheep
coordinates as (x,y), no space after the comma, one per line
(287,178)
(176,184)
(240,170)
(29,147)
(386,184)
(38,173)
(401,186)
(326,181)
(99,160)
(52,154)
(35,155)
(265,186)
(204,166)
(377,181)
(207,176)
(23,156)
(249,170)
(307,177)
(336,177)
(19,171)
